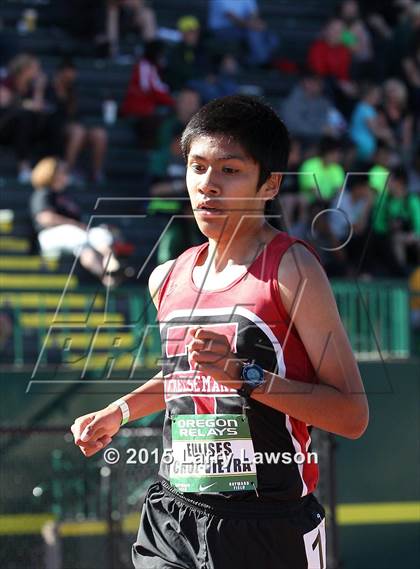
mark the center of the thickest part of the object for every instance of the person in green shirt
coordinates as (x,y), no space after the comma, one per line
(322,176)
(381,167)
(397,218)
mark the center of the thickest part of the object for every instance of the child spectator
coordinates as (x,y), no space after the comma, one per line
(322,176)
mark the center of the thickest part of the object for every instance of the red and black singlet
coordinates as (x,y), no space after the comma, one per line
(250,313)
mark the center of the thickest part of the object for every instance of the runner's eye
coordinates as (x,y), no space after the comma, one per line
(197,167)
(230,170)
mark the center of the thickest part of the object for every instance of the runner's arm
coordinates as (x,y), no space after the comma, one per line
(94,431)
(338,402)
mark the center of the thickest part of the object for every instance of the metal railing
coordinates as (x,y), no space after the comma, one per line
(376,316)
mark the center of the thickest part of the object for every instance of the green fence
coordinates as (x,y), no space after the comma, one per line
(376,316)
(92,328)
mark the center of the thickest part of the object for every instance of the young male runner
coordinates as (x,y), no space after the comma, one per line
(254,353)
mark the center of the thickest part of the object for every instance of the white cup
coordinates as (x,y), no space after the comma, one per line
(109,111)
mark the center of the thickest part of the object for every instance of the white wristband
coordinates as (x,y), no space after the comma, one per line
(124,408)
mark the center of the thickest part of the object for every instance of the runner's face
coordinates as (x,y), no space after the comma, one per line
(222,177)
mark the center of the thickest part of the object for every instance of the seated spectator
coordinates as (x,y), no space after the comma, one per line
(397,117)
(365,126)
(63,102)
(315,229)
(147,92)
(381,167)
(290,207)
(168,171)
(322,176)
(411,76)
(349,218)
(142,18)
(396,224)
(57,221)
(24,121)
(305,110)
(240,21)
(327,56)
(187,59)
(357,38)
(220,80)
(414,173)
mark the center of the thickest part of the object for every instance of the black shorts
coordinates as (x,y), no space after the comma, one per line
(178,533)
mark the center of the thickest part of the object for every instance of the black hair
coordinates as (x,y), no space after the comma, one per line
(66,63)
(153,50)
(329,144)
(400,173)
(248,121)
(358,180)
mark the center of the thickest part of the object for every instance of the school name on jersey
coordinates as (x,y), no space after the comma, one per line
(194,383)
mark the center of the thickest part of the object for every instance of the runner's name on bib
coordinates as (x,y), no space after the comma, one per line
(212,453)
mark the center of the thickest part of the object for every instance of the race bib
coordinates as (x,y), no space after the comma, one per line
(212,453)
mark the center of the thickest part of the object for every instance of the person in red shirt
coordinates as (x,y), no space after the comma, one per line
(250,361)
(146,92)
(327,56)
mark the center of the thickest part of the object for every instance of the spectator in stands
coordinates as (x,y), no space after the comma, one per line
(147,92)
(187,59)
(405,35)
(411,75)
(357,38)
(366,127)
(142,19)
(24,120)
(414,173)
(381,167)
(397,117)
(396,223)
(57,220)
(168,172)
(290,204)
(315,229)
(63,101)
(327,56)
(240,21)
(351,219)
(322,176)
(220,80)
(305,110)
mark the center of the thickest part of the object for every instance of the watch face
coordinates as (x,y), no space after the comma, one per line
(253,374)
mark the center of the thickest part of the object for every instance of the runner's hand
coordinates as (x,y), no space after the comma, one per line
(211,353)
(94,431)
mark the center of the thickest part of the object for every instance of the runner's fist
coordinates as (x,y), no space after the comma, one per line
(94,431)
